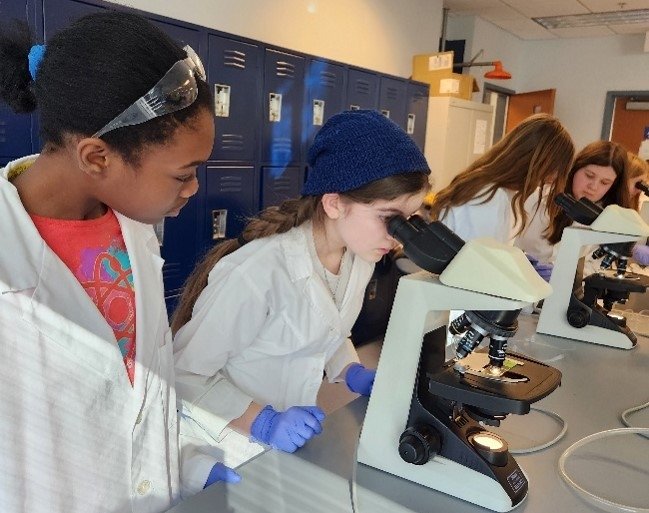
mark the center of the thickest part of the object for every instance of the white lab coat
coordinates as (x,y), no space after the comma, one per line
(474,219)
(75,437)
(531,239)
(264,329)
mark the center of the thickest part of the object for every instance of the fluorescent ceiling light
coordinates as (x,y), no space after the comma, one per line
(637,105)
(594,19)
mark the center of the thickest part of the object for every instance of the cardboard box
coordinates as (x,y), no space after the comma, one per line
(436,69)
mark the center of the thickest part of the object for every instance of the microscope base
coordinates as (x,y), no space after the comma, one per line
(445,476)
(592,334)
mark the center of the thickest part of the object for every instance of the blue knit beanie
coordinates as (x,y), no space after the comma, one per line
(357,147)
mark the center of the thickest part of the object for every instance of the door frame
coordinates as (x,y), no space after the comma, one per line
(609,106)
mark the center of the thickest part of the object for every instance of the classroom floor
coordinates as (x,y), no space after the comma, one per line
(332,396)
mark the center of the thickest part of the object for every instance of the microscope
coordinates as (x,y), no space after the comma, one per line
(426,417)
(580,307)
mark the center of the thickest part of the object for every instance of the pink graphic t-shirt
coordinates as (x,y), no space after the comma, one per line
(95,252)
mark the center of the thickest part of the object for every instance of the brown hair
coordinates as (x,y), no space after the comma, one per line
(637,168)
(537,151)
(280,219)
(599,153)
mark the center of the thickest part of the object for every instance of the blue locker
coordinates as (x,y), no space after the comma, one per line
(392,100)
(325,91)
(279,184)
(234,73)
(282,105)
(59,14)
(417,114)
(231,196)
(15,129)
(362,90)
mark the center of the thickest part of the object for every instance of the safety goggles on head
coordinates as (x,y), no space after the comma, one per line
(176,90)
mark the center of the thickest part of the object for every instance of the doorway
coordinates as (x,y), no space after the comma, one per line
(499,98)
(626,120)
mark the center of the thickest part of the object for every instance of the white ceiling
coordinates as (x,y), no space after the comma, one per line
(515,16)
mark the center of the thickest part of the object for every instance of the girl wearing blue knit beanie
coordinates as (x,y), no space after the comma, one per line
(263,317)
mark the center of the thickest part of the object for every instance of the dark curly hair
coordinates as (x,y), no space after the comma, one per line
(91,71)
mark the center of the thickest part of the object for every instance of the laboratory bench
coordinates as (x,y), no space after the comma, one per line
(599,382)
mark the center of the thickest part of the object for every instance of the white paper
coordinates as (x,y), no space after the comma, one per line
(480,138)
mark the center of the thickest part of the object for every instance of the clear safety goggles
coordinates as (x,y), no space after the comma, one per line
(176,90)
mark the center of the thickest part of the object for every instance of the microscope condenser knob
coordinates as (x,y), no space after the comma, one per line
(418,444)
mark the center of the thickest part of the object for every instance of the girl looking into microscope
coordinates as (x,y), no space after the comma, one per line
(487,199)
(598,173)
(264,316)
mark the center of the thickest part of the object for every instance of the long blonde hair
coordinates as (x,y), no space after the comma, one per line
(536,152)
(280,219)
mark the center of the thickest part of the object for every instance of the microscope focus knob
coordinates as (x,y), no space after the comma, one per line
(578,317)
(418,444)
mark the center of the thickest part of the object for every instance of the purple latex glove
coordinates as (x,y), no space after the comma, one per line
(360,379)
(288,430)
(641,254)
(543,270)
(220,472)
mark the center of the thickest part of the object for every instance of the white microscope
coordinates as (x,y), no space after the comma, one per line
(580,307)
(426,415)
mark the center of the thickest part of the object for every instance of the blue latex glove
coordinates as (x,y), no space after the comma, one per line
(360,379)
(288,430)
(543,270)
(220,472)
(641,254)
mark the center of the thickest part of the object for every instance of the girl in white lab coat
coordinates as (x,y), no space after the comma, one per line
(487,199)
(600,173)
(88,417)
(264,316)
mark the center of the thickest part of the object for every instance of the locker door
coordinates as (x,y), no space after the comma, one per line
(182,35)
(417,113)
(325,84)
(234,72)
(282,100)
(362,90)
(279,184)
(15,129)
(230,197)
(59,14)
(392,100)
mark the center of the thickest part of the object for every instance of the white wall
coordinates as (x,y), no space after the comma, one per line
(378,34)
(581,70)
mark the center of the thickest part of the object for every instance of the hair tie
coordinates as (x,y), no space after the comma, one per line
(35,58)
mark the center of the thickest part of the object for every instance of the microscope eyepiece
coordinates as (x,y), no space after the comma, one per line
(643,186)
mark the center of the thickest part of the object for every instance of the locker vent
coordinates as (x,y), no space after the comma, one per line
(230,184)
(282,145)
(284,69)
(234,59)
(363,87)
(170,269)
(327,79)
(282,184)
(392,93)
(3,131)
(232,142)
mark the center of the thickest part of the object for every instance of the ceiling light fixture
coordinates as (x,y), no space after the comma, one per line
(594,19)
